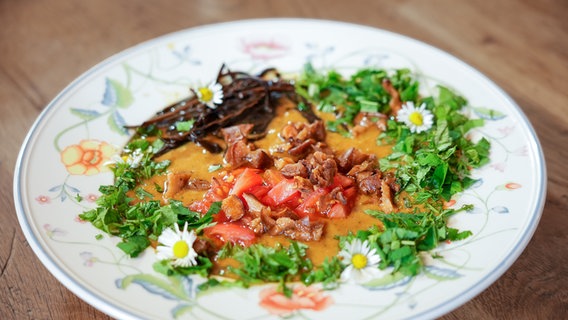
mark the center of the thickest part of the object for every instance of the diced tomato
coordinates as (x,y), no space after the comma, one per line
(259,191)
(273,177)
(338,211)
(309,205)
(222,233)
(201,206)
(219,191)
(234,172)
(342,181)
(268,201)
(271,188)
(282,192)
(350,194)
(246,181)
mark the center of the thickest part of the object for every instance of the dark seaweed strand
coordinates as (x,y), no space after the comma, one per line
(246,99)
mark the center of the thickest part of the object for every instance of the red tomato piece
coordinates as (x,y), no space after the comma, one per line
(246,181)
(222,233)
(259,191)
(350,194)
(273,177)
(309,205)
(284,191)
(338,211)
(201,206)
(342,181)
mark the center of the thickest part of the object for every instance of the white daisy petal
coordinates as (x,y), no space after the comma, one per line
(177,246)
(361,262)
(164,253)
(346,275)
(417,119)
(211,95)
(373,258)
(369,274)
(168,237)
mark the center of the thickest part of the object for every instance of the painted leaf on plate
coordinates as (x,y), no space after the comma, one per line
(387,282)
(441,274)
(116,94)
(173,290)
(84,113)
(489,114)
(116,123)
(500,209)
(182,309)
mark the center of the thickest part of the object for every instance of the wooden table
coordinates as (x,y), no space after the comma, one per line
(522,45)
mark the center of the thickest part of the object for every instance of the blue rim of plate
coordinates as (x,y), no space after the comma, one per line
(117,311)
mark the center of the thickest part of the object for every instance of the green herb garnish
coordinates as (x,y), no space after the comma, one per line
(184,126)
(259,263)
(404,235)
(430,167)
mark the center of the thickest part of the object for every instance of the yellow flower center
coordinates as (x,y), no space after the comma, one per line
(359,261)
(416,118)
(181,249)
(206,94)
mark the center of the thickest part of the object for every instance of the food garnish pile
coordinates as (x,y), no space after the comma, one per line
(318,179)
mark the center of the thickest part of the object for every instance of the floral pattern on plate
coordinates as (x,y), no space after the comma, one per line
(61,167)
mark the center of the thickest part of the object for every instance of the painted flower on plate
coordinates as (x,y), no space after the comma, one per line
(53,231)
(362,262)
(512,186)
(499,166)
(264,49)
(417,119)
(42,199)
(88,259)
(91,197)
(87,158)
(177,246)
(211,95)
(303,297)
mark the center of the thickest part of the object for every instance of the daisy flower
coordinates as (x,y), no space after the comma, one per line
(361,262)
(212,95)
(133,160)
(177,246)
(417,119)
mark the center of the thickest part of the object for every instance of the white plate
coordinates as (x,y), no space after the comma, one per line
(130,86)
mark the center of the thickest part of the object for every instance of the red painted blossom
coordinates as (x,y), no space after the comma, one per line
(264,49)
(91,197)
(41,199)
(512,186)
(303,297)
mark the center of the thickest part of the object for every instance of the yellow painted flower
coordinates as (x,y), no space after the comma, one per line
(212,95)
(362,262)
(177,246)
(417,119)
(87,158)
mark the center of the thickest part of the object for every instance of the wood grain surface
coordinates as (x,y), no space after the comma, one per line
(521,45)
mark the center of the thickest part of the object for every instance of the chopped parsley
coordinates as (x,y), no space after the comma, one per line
(404,235)
(430,167)
(137,224)
(259,263)
(184,126)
